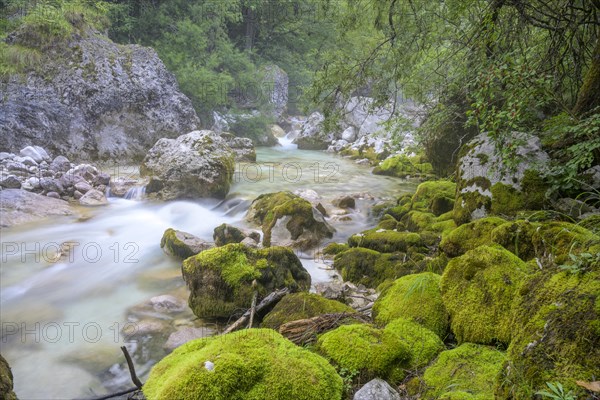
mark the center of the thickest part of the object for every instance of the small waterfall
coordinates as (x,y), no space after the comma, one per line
(136,193)
(286,143)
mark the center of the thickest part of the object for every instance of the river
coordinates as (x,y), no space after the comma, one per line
(61,321)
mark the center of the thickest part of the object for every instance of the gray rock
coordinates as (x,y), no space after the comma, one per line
(93,198)
(276,83)
(82,187)
(27,160)
(35,153)
(220,123)
(243,148)
(225,234)
(51,185)
(103,100)
(6,156)
(16,166)
(168,304)
(349,134)
(182,244)
(344,202)
(593,175)
(60,163)
(10,182)
(19,206)
(53,195)
(197,164)
(312,135)
(77,195)
(377,389)
(69,180)
(102,179)
(86,171)
(184,335)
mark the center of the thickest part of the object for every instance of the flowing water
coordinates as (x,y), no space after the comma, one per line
(62,318)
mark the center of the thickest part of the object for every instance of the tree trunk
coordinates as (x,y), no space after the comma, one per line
(589,93)
(249,28)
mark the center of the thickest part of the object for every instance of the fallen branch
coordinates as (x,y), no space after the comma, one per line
(136,381)
(271,299)
(253,307)
(305,331)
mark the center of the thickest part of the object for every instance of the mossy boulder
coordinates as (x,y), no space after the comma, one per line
(182,244)
(592,223)
(435,196)
(225,234)
(478,290)
(6,381)
(469,236)
(417,221)
(555,241)
(558,335)
(485,185)
(385,241)
(403,166)
(335,248)
(221,279)
(370,267)
(415,297)
(517,237)
(466,372)
(423,344)
(253,364)
(365,349)
(304,224)
(302,305)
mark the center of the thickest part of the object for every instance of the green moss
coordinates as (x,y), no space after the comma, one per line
(554,241)
(220,279)
(174,243)
(416,297)
(257,364)
(365,349)
(437,196)
(467,372)
(370,267)
(402,166)
(468,203)
(225,234)
(416,221)
(301,306)
(6,381)
(443,227)
(507,200)
(335,248)
(387,222)
(268,208)
(478,289)
(516,237)
(469,236)
(422,343)
(385,241)
(591,223)
(558,315)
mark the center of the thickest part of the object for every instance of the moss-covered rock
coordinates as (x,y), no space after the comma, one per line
(416,297)
(301,306)
(423,344)
(385,241)
(591,223)
(221,279)
(558,335)
(402,166)
(370,267)
(254,364)
(466,372)
(485,185)
(305,224)
(478,290)
(335,248)
(225,234)
(182,244)
(469,236)
(417,221)
(366,349)
(554,241)
(435,196)
(517,237)
(6,381)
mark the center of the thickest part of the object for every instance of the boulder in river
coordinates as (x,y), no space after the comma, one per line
(225,234)
(197,164)
(182,244)
(291,217)
(19,206)
(6,381)
(221,279)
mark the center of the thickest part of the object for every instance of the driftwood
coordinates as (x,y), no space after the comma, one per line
(136,381)
(268,301)
(305,331)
